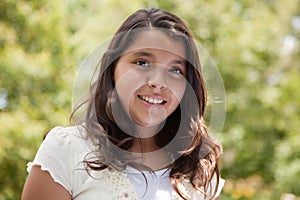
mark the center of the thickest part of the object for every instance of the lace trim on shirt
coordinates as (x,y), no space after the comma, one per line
(120,184)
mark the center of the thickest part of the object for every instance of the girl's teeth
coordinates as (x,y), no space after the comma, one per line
(151,100)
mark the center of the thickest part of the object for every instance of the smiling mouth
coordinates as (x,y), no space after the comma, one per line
(152,100)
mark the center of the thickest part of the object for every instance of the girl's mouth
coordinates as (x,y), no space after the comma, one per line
(151,100)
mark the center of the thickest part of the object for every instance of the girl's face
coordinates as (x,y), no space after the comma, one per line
(150,77)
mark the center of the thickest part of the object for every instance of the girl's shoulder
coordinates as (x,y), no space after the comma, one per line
(73,137)
(65,145)
(67,132)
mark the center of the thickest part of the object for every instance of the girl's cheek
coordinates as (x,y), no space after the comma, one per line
(178,89)
(127,84)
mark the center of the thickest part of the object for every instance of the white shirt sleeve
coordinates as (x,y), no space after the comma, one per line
(55,156)
(220,187)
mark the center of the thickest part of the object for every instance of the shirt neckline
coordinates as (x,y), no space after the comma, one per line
(160,172)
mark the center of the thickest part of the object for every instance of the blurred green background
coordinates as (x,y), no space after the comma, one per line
(255,44)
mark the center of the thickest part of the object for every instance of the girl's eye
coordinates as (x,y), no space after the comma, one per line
(142,63)
(176,70)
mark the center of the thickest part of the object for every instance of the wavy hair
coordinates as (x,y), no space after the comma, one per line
(196,153)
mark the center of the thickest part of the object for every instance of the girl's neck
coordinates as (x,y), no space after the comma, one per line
(146,151)
(148,154)
(143,145)
(144,141)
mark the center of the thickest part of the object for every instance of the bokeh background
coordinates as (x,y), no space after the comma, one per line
(254,43)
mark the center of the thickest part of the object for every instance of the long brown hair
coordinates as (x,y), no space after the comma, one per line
(197,154)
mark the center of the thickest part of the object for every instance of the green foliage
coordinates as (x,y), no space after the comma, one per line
(35,77)
(255,45)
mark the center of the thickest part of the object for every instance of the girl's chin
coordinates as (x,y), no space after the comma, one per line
(151,119)
(149,124)
(151,128)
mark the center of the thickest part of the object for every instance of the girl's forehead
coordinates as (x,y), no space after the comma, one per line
(157,40)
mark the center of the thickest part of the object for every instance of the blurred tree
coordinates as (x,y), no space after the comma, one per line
(35,83)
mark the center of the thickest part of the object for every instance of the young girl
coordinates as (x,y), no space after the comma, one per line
(143,134)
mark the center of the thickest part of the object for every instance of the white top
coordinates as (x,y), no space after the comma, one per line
(62,153)
(158,185)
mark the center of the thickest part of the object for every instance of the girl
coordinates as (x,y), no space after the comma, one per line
(143,134)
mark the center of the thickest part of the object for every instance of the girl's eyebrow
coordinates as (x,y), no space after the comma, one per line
(147,54)
(180,62)
(143,53)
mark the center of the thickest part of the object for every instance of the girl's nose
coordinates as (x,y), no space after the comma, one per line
(157,80)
